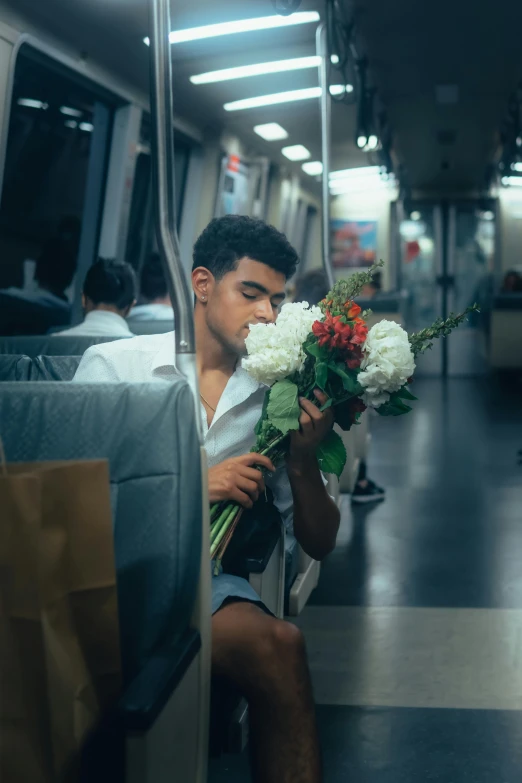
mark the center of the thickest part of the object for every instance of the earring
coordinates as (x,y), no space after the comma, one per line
(203,298)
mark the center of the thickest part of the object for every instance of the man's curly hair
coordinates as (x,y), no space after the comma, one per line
(228,239)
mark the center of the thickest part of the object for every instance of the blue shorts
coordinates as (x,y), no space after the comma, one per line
(227,588)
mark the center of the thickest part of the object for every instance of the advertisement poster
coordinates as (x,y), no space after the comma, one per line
(354,243)
(233,198)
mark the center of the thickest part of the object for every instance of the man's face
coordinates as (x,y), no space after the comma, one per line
(250,294)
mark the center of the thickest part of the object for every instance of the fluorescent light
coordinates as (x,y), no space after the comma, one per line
(259,69)
(31,103)
(334,59)
(415,215)
(314,168)
(86,126)
(360,171)
(516,166)
(281,97)
(296,152)
(71,124)
(488,215)
(271,131)
(240,26)
(370,178)
(515,182)
(360,186)
(373,142)
(362,141)
(70,112)
(269,100)
(339,89)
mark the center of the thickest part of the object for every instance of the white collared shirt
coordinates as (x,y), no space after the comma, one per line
(231,432)
(153,311)
(99,323)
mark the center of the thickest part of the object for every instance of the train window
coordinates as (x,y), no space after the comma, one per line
(141,239)
(53,130)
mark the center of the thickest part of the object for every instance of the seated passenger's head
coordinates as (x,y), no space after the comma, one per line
(55,268)
(311,287)
(512,282)
(153,286)
(110,285)
(240,268)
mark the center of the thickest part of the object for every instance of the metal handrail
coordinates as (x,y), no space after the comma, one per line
(162,147)
(321,42)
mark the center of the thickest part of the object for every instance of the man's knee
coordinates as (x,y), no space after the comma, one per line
(280,653)
(285,641)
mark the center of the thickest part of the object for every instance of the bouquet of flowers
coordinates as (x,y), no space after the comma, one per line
(328,347)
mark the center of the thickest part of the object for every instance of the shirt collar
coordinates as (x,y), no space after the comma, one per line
(108,317)
(240,386)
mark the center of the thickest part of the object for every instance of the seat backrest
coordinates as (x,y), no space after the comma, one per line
(151,327)
(41,368)
(48,345)
(14,367)
(54,368)
(148,434)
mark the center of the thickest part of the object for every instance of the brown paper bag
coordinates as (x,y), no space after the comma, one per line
(59,619)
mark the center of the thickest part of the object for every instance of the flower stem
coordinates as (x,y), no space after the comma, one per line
(231,513)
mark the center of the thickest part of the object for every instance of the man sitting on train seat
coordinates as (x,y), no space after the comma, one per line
(109,293)
(154,302)
(239,273)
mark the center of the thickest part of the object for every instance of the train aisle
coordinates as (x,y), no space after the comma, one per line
(415,630)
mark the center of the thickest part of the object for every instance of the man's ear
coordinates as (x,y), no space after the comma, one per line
(203,282)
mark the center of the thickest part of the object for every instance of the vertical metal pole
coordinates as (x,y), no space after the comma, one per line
(162,147)
(325,105)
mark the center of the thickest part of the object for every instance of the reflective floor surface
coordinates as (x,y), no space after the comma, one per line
(414,633)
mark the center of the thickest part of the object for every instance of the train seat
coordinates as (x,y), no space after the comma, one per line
(39,368)
(157,501)
(49,345)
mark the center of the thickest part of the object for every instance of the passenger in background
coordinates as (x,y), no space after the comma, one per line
(154,302)
(109,293)
(311,288)
(239,273)
(512,283)
(372,289)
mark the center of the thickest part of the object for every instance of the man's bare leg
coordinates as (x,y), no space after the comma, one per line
(266,660)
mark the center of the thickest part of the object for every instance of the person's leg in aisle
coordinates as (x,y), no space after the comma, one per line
(266,659)
(366,490)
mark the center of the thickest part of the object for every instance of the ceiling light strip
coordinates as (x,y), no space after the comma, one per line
(240,26)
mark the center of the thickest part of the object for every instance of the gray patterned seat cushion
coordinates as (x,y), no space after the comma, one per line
(148,434)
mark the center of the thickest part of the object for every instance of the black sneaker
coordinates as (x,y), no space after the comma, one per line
(371,493)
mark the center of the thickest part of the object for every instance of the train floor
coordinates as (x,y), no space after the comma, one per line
(414,633)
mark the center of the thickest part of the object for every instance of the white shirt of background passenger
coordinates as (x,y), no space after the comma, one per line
(99,323)
(231,432)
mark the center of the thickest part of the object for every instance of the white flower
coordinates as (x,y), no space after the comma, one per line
(275,351)
(388,363)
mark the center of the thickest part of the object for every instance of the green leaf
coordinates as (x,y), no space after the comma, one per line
(331,454)
(321,375)
(350,382)
(313,349)
(283,409)
(406,394)
(394,407)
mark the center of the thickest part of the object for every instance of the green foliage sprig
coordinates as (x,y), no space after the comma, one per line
(423,340)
